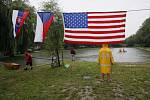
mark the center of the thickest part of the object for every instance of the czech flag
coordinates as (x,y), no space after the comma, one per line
(44,20)
(18,19)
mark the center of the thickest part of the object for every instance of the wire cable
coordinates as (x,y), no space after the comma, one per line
(137,10)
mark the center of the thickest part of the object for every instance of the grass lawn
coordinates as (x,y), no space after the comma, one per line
(81,81)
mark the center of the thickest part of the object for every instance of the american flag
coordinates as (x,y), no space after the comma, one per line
(94,27)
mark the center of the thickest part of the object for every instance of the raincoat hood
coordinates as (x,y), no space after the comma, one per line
(105,45)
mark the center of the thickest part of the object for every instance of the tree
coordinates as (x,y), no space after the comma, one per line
(6,36)
(54,40)
(142,36)
(25,40)
(7,41)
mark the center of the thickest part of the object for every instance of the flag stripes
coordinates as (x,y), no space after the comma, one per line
(108,21)
(18,18)
(74,34)
(110,12)
(94,43)
(102,27)
(95,37)
(94,31)
(110,16)
(44,21)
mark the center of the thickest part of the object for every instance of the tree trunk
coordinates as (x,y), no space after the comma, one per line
(58,60)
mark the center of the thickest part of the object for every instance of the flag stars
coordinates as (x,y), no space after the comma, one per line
(75,20)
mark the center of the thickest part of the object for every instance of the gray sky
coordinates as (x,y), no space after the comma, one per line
(133,21)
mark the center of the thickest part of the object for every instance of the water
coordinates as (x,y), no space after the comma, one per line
(132,55)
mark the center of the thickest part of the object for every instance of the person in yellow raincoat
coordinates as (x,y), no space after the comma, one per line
(105,59)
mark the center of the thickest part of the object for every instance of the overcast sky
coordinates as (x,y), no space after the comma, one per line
(133,21)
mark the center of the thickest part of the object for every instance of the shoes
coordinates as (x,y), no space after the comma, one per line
(25,68)
(110,80)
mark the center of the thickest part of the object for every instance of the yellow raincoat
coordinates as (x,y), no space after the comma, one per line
(105,59)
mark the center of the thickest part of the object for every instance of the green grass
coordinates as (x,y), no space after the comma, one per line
(79,81)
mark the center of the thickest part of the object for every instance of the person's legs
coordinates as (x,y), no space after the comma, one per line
(102,75)
(31,65)
(26,66)
(108,70)
(102,69)
(72,56)
(108,76)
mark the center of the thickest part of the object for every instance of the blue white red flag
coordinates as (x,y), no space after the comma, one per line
(94,27)
(44,20)
(18,19)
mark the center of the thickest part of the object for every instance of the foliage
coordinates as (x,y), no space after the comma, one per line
(142,36)
(25,40)
(54,40)
(6,36)
(7,42)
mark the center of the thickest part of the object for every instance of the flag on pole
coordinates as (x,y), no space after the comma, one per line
(94,27)
(44,20)
(18,19)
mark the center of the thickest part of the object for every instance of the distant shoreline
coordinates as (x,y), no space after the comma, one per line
(144,48)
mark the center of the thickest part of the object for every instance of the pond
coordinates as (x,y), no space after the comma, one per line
(91,54)
(132,55)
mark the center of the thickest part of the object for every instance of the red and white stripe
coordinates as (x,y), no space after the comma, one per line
(103,27)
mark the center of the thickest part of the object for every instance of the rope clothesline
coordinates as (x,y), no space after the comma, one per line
(123,10)
(137,10)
